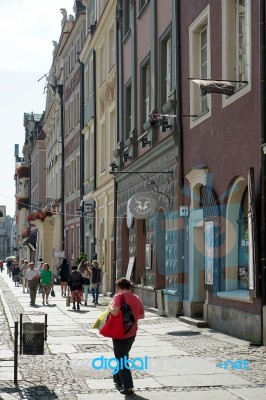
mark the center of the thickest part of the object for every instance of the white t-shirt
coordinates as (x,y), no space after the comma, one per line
(31,273)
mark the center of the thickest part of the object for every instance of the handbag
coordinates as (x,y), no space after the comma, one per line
(41,289)
(52,293)
(101,320)
(113,328)
(128,316)
(93,285)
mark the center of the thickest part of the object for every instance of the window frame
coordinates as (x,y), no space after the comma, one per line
(228,24)
(201,23)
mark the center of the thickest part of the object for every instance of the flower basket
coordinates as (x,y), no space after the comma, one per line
(23,202)
(23,171)
(40,214)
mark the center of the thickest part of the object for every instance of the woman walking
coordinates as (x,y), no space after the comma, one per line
(76,282)
(96,281)
(46,281)
(64,275)
(85,272)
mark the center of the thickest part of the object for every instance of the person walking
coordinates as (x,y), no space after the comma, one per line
(23,271)
(16,273)
(46,281)
(123,379)
(8,267)
(96,281)
(85,272)
(1,265)
(75,283)
(64,275)
(32,279)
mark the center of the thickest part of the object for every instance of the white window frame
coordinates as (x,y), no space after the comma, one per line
(103,147)
(111,47)
(86,84)
(168,66)
(228,48)
(147,90)
(201,23)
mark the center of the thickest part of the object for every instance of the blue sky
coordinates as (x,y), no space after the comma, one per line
(27,30)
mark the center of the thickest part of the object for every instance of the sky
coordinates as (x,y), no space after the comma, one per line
(27,30)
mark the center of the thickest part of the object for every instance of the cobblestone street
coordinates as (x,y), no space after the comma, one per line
(193,352)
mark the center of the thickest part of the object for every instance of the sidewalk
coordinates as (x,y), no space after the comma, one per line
(182,359)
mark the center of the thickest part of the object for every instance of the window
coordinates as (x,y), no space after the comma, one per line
(103,147)
(91,77)
(86,84)
(236,45)
(128,111)
(112,136)
(166,67)
(102,65)
(199,64)
(145,89)
(126,17)
(111,48)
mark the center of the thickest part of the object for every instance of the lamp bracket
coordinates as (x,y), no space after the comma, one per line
(151,182)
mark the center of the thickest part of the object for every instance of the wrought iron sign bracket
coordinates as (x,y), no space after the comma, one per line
(151,183)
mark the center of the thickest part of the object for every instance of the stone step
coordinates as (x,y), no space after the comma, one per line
(198,322)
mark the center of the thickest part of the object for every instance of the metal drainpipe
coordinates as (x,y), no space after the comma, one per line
(81,125)
(95,150)
(60,92)
(263,162)
(179,127)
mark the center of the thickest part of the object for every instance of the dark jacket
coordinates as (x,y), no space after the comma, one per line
(75,281)
(64,271)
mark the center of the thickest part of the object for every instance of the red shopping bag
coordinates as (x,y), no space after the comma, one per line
(113,328)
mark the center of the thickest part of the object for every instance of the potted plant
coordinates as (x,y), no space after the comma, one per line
(142,279)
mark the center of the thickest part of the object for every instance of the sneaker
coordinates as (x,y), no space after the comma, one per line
(127,392)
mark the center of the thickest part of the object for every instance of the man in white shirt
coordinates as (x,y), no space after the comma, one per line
(32,279)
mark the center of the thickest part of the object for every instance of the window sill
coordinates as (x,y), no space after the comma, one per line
(238,295)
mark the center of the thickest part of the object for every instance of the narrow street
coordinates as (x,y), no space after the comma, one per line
(182,359)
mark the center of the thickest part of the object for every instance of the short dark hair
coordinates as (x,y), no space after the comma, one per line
(123,283)
(74,267)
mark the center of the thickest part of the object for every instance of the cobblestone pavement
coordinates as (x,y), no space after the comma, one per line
(49,376)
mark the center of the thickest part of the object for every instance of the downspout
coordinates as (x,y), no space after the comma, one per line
(95,148)
(81,125)
(179,136)
(60,93)
(263,171)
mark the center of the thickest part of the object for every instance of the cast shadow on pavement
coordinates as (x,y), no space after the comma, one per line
(30,392)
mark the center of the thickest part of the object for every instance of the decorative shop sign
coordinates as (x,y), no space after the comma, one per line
(142,205)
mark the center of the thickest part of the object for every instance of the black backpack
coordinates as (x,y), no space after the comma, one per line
(128,317)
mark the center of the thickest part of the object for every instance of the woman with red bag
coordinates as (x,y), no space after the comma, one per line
(123,379)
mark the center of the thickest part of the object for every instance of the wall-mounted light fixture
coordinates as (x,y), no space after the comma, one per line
(89,208)
(113,167)
(126,157)
(78,212)
(145,142)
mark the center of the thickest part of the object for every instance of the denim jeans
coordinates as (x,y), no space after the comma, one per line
(121,349)
(86,292)
(95,293)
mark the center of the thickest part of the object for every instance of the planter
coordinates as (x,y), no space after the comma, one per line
(23,171)
(173,302)
(23,202)
(146,293)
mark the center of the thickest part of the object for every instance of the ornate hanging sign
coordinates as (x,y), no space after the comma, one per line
(142,205)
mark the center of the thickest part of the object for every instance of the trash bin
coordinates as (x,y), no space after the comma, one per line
(33,338)
(160,302)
